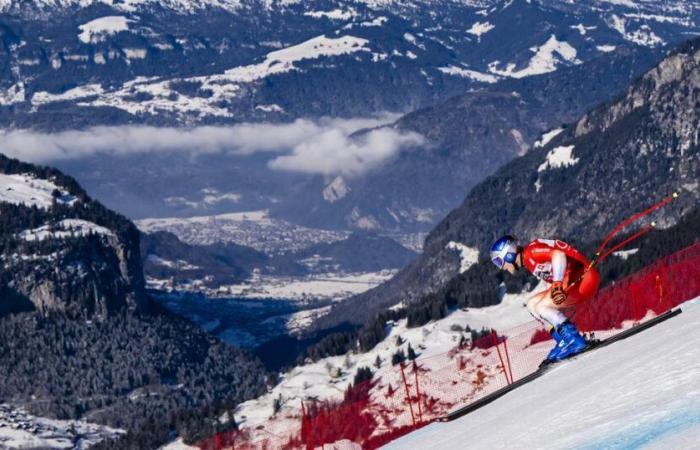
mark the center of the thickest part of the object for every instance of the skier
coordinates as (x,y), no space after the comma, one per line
(569,278)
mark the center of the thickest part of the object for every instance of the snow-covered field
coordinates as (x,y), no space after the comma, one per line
(19,429)
(29,190)
(643,392)
(66,228)
(546,58)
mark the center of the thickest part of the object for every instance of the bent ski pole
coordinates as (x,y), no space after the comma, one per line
(600,254)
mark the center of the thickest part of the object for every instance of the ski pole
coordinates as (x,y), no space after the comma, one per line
(600,255)
(632,219)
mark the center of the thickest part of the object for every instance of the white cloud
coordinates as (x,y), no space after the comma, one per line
(335,152)
(306,146)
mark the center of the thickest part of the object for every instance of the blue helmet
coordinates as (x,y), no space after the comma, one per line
(504,250)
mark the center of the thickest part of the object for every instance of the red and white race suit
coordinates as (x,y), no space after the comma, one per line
(557,261)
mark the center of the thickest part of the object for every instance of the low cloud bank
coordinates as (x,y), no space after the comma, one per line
(315,147)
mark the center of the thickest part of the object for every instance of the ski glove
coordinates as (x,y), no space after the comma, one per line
(558,293)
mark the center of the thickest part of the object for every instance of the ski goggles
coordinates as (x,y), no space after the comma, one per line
(507,258)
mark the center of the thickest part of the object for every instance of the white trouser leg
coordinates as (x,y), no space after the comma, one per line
(542,309)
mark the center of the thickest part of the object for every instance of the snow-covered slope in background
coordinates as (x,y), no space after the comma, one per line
(315,380)
(643,392)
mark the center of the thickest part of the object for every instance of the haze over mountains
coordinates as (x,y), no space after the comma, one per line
(285,155)
(178,63)
(612,162)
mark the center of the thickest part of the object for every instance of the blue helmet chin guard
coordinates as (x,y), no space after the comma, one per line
(504,250)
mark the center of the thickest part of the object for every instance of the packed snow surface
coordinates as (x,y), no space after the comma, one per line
(29,190)
(642,392)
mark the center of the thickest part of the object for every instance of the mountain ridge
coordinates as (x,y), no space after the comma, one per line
(603,168)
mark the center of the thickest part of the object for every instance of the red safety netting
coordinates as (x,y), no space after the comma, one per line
(421,391)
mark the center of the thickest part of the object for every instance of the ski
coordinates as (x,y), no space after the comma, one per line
(545,366)
(596,344)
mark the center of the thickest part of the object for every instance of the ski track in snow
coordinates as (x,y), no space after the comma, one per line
(643,392)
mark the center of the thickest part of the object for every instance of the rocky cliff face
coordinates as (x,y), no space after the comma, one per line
(614,161)
(61,251)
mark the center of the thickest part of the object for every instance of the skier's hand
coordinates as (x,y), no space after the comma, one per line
(558,293)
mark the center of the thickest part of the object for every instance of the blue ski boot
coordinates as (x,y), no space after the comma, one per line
(552,356)
(571,341)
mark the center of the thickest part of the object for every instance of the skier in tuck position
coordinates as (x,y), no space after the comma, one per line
(570,281)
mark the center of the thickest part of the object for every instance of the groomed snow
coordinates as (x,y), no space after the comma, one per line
(643,392)
(30,191)
(545,60)
(96,30)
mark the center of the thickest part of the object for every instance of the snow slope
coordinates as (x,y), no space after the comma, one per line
(29,190)
(435,338)
(643,392)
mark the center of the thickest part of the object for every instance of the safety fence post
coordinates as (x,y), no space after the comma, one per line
(408,395)
(510,366)
(306,428)
(494,337)
(217,441)
(420,409)
(633,304)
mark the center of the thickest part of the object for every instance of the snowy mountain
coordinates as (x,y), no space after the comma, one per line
(87,355)
(635,406)
(73,66)
(600,170)
(466,138)
(184,62)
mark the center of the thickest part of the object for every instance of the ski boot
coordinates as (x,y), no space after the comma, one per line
(571,341)
(552,356)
